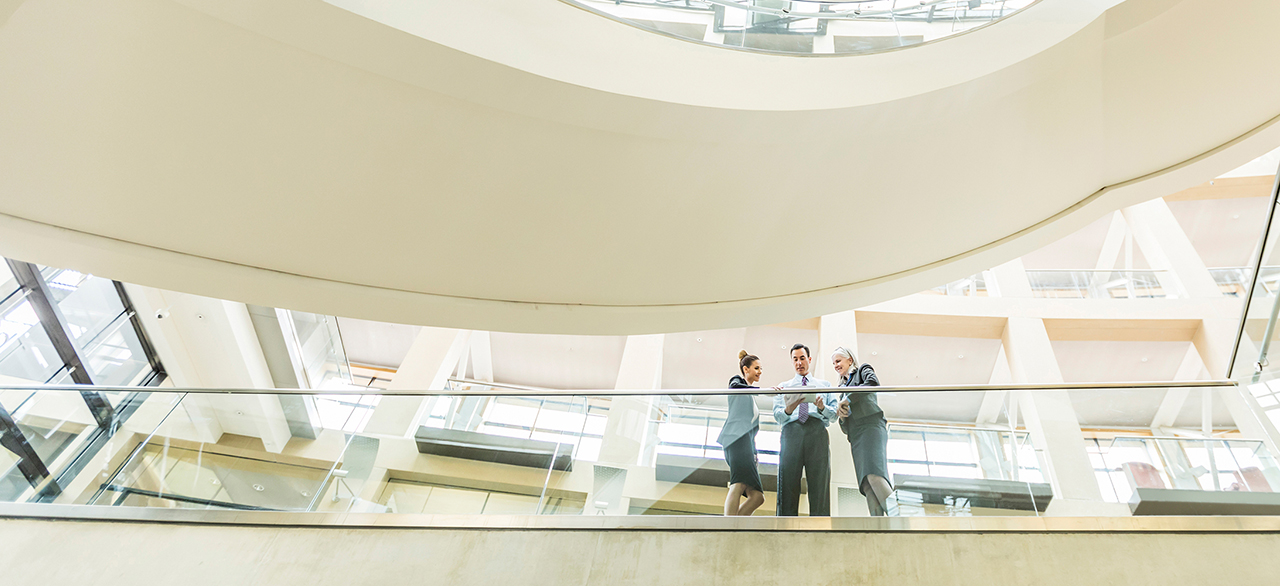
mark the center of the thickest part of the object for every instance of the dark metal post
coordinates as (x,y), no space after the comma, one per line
(12,439)
(55,325)
(157,369)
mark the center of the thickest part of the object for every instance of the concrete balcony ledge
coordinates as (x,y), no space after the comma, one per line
(1152,524)
(108,546)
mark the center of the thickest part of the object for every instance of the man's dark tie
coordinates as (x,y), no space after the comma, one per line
(804,407)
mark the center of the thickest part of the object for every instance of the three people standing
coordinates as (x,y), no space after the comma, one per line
(805,444)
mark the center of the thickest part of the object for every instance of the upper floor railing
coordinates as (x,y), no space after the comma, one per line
(807,27)
(481,448)
(1073,284)
(1117,284)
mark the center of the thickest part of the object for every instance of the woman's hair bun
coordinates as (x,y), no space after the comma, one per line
(742,354)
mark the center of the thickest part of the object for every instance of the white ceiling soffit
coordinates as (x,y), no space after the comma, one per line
(537,168)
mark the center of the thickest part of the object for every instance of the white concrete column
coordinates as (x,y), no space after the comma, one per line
(471,411)
(212,343)
(626,430)
(1214,340)
(835,330)
(628,437)
(1049,415)
(1167,248)
(1009,280)
(432,357)
(1192,368)
(481,356)
(993,402)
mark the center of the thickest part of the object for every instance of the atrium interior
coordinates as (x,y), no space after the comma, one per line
(292,287)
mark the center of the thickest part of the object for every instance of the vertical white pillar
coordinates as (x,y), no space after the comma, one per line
(1007,280)
(835,330)
(1010,280)
(1214,340)
(1049,415)
(481,356)
(993,401)
(628,439)
(626,430)
(212,343)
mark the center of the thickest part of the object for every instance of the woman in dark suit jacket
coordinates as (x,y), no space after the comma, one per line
(862,420)
(738,438)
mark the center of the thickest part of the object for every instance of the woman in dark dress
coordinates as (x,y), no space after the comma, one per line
(738,438)
(863,422)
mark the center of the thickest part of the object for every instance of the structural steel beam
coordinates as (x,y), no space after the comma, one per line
(55,325)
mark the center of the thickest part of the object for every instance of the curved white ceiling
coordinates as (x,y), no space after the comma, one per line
(535,167)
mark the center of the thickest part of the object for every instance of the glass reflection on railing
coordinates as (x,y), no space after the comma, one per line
(1117,284)
(960,452)
(1064,284)
(972,286)
(1234,281)
(929,464)
(807,27)
(1258,332)
(1124,464)
(317,343)
(531,451)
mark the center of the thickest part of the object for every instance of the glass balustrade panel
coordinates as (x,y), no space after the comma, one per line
(1259,334)
(807,28)
(474,452)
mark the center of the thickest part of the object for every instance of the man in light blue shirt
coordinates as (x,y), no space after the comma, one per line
(805,446)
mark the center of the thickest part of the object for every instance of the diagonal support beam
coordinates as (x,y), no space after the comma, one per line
(1174,399)
(29,462)
(55,326)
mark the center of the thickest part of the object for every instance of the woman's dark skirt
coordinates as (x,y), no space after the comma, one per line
(869,443)
(741,457)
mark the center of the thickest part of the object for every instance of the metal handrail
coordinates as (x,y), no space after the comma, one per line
(957,428)
(503,390)
(1010,525)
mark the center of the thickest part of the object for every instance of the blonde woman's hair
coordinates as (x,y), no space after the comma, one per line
(844,352)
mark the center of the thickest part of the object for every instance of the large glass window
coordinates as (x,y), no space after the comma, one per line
(958,452)
(115,357)
(94,320)
(574,421)
(89,304)
(26,353)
